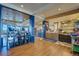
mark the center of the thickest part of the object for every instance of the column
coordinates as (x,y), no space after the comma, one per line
(0,28)
(31,29)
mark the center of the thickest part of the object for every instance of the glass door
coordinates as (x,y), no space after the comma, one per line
(4,34)
(17,32)
(4,40)
(27,36)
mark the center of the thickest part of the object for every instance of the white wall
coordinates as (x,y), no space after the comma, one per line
(69,26)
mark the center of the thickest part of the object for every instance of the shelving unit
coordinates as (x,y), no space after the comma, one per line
(75,43)
(11,17)
(75,38)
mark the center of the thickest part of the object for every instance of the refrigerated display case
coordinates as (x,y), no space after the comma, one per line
(11,35)
(75,37)
(75,43)
(9,30)
(4,34)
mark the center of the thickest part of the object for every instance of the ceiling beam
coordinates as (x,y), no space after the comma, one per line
(63,14)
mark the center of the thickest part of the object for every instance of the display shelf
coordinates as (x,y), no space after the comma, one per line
(75,43)
(12,19)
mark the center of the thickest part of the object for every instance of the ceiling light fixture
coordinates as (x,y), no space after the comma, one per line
(59,9)
(22,6)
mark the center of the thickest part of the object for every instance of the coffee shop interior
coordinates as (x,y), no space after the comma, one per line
(39,29)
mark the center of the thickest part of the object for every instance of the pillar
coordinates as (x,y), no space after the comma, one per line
(31,29)
(0,28)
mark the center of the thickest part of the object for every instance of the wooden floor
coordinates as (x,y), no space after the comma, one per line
(40,48)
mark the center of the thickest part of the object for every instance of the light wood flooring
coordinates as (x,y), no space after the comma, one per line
(41,48)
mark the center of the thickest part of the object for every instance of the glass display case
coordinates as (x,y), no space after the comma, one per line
(75,37)
(4,34)
(4,28)
(11,24)
(11,35)
(75,43)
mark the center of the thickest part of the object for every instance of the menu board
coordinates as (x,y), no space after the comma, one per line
(7,14)
(4,13)
(10,14)
(26,17)
(18,16)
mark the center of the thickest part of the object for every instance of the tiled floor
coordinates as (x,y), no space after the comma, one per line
(40,48)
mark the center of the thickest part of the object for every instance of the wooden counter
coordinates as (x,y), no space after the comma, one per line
(59,37)
(52,36)
(65,38)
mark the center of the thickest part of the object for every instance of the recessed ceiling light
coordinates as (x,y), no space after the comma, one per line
(59,9)
(22,6)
